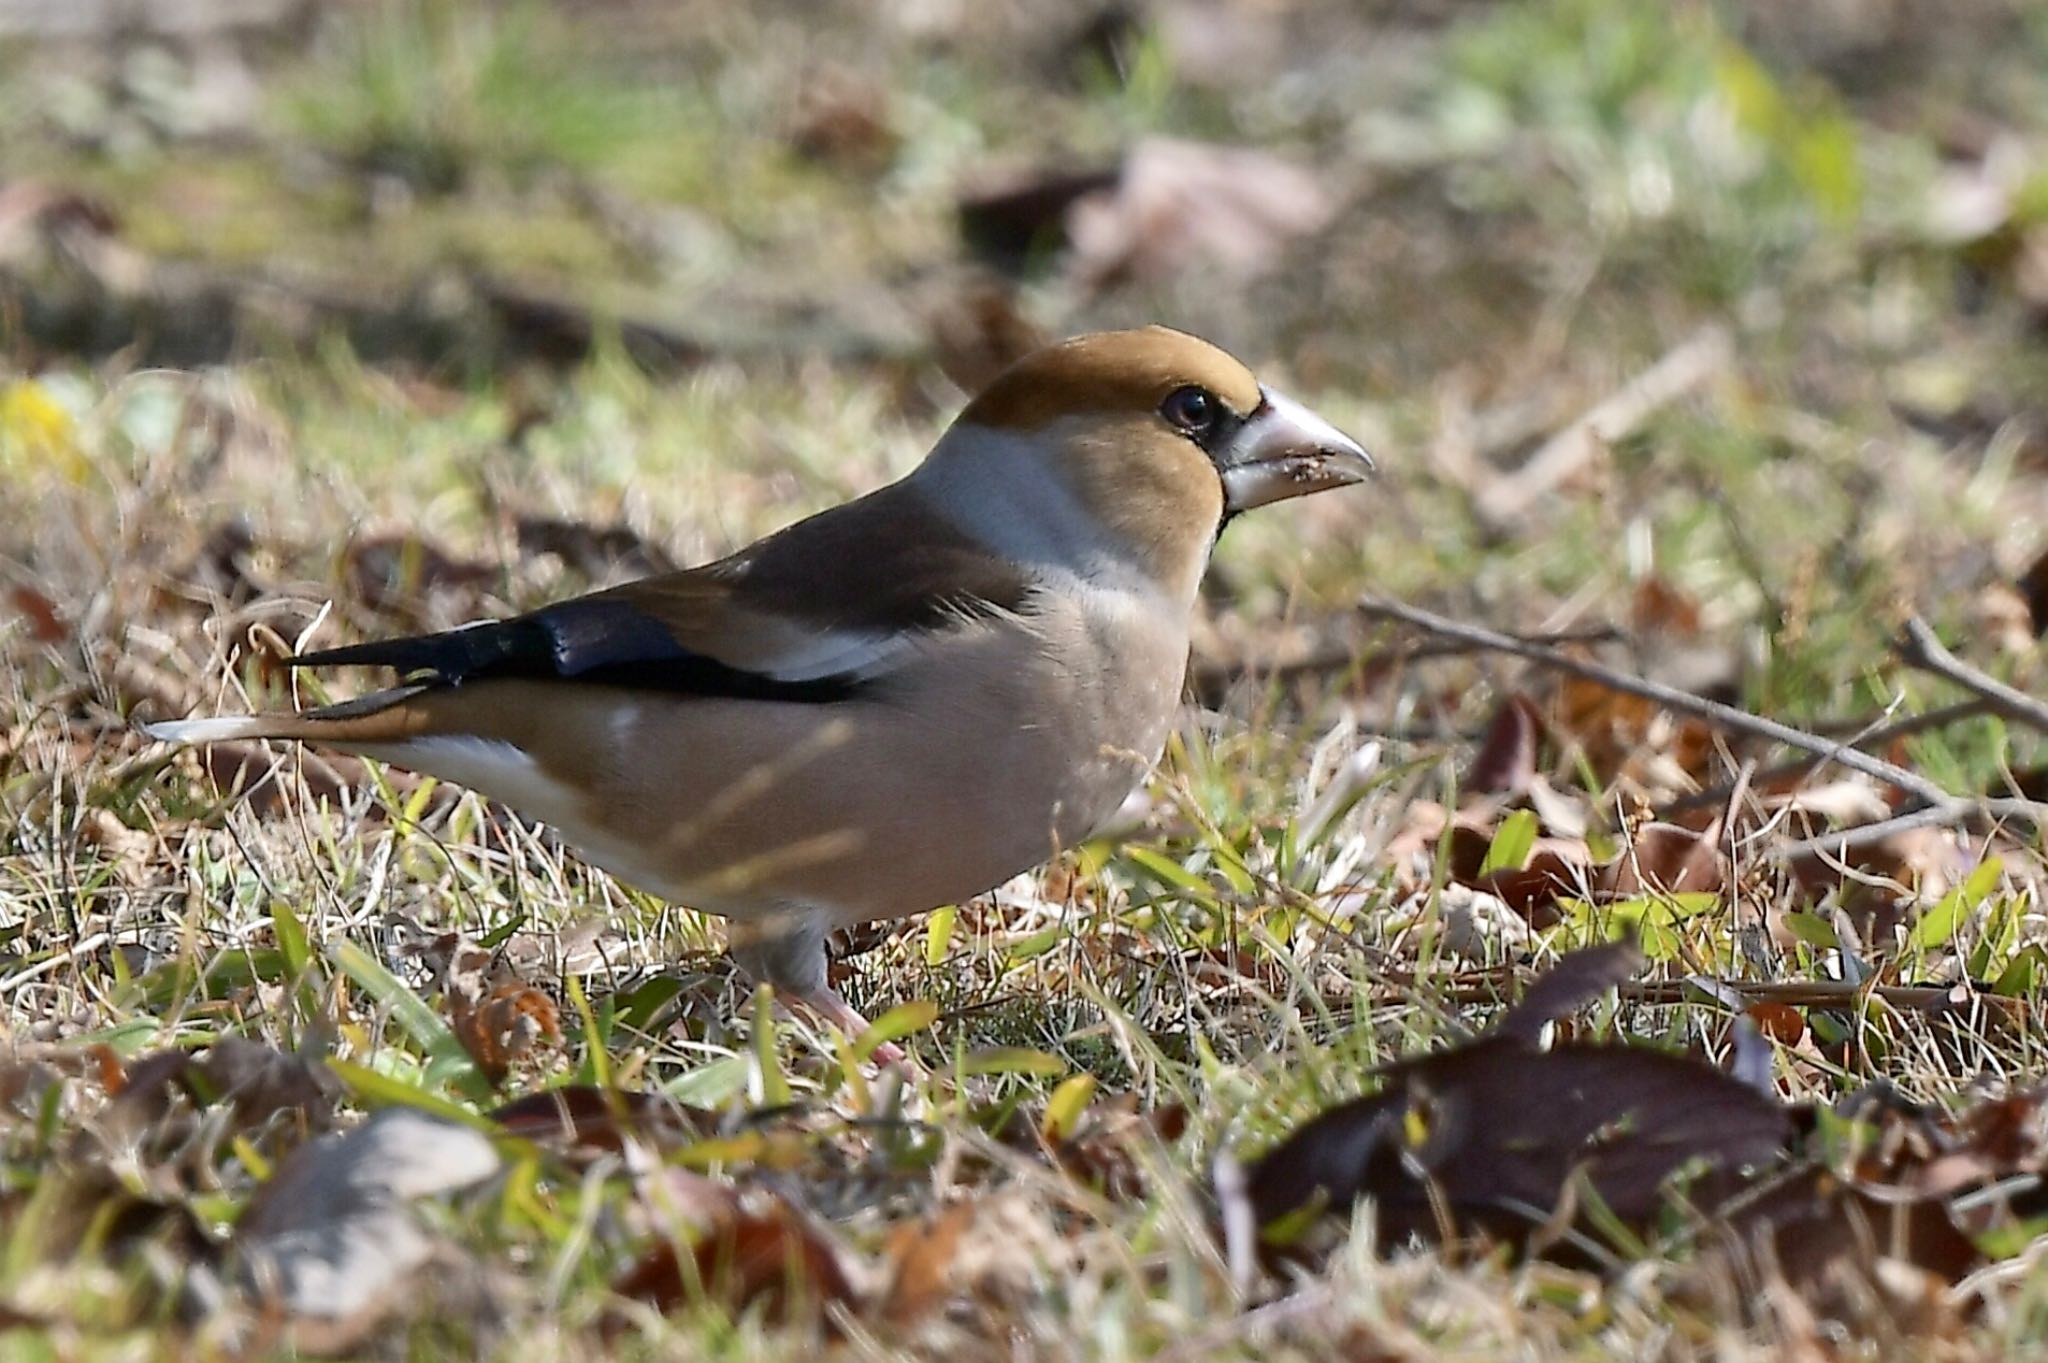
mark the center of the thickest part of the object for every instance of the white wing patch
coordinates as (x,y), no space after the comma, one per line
(504,771)
(802,655)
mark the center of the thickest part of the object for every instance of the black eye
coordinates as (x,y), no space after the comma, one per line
(1190,409)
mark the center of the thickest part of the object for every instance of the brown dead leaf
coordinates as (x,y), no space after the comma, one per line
(261,1080)
(1609,725)
(1178,206)
(1624,1119)
(45,625)
(921,1256)
(2033,585)
(1437,1140)
(1576,980)
(497,1016)
(1659,607)
(1851,1258)
(1506,761)
(581,1116)
(506,1024)
(1171,206)
(1663,858)
(1502,1138)
(1781,1022)
(1560,870)
(1015,221)
(149,1093)
(754,1249)
(843,120)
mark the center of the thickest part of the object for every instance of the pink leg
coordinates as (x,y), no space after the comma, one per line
(788,952)
(829,1005)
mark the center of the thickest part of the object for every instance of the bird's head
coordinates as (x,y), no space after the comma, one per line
(1134,446)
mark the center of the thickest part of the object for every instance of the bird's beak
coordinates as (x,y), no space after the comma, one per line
(1284,450)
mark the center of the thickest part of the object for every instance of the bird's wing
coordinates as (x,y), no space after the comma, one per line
(811,613)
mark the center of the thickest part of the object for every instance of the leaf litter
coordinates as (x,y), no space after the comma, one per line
(623,1128)
(1599,1154)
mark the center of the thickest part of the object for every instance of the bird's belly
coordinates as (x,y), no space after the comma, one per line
(874,808)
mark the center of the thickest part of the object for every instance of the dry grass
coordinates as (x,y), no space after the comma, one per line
(1531,206)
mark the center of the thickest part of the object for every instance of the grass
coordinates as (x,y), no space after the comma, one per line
(1541,201)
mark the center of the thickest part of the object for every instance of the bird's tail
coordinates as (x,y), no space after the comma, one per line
(380,717)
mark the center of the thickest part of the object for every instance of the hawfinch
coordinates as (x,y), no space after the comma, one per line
(896,704)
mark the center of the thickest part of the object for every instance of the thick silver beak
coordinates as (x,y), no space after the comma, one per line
(1284,450)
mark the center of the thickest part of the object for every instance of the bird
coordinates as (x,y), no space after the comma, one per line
(896,704)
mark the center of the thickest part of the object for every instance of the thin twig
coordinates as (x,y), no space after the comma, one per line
(1797,993)
(49,963)
(1944,815)
(1210,678)
(1868,733)
(1695,360)
(1864,730)
(1940,807)
(1920,648)
(1725,717)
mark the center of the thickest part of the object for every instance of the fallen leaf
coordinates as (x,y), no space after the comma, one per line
(1171,206)
(332,1242)
(2033,585)
(261,1080)
(1506,760)
(506,1024)
(45,625)
(751,1249)
(494,1014)
(1013,222)
(921,1256)
(1659,606)
(844,120)
(1780,1022)
(1625,1120)
(1662,858)
(1437,1140)
(1178,206)
(581,1115)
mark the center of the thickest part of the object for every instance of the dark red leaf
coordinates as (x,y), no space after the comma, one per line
(1663,858)
(598,1119)
(1506,760)
(1502,1131)
(768,1254)
(45,626)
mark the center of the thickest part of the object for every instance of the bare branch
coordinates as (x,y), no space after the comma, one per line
(1724,717)
(1867,733)
(1947,814)
(1921,649)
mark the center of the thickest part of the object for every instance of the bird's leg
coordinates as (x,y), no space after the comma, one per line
(787,951)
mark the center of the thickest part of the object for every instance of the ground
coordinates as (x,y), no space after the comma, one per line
(1705,343)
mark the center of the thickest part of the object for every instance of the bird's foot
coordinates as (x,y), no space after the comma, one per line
(827,1004)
